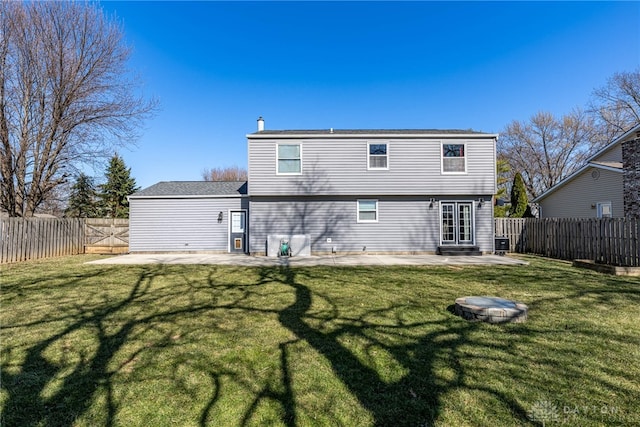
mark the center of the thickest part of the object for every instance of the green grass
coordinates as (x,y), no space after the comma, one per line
(188,345)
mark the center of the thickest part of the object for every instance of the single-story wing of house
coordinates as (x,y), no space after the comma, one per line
(188,216)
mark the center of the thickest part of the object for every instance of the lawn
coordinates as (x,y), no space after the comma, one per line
(187,345)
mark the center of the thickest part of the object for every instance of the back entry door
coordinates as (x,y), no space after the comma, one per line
(238,232)
(457,223)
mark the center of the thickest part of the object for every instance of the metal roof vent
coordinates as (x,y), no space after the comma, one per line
(260,124)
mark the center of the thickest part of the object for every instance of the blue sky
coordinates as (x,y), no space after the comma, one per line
(216,66)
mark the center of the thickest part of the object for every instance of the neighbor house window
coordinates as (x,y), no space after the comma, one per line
(604,210)
(289,159)
(454,158)
(367,211)
(378,156)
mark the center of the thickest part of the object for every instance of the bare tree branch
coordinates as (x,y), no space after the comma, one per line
(616,105)
(232,173)
(546,149)
(66,97)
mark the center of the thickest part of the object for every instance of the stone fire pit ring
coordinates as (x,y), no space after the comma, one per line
(490,309)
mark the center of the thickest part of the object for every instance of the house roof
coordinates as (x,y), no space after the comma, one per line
(329,133)
(612,165)
(187,189)
(592,162)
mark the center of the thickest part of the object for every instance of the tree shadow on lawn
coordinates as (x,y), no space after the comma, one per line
(412,400)
(418,350)
(25,404)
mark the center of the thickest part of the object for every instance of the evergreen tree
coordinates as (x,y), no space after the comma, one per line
(519,201)
(83,200)
(119,185)
(502,171)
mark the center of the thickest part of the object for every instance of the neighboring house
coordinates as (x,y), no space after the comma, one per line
(343,191)
(189,216)
(597,189)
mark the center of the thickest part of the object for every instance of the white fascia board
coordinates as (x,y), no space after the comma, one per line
(373,135)
(199,196)
(615,142)
(605,167)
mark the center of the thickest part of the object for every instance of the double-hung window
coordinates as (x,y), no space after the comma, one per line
(454,158)
(289,159)
(378,156)
(367,211)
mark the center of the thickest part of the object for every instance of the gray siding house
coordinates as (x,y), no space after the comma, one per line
(194,216)
(368,191)
(597,189)
(342,191)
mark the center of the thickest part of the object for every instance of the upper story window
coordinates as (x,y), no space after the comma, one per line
(378,156)
(289,159)
(454,158)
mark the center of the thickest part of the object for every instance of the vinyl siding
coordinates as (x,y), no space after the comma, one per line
(172,224)
(405,223)
(339,167)
(575,198)
(613,154)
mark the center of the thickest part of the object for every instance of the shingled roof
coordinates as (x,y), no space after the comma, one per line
(193,189)
(370,132)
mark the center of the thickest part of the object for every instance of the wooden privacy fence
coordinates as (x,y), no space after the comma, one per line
(613,241)
(24,239)
(106,235)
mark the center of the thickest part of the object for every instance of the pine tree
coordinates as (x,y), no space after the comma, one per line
(83,200)
(502,170)
(519,201)
(119,185)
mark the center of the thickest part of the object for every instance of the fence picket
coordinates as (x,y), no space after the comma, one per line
(24,239)
(613,241)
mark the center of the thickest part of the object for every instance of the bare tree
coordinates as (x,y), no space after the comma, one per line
(232,173)
(546,149)
(66,97)
(616,105)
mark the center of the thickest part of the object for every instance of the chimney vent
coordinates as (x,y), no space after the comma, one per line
(260,124)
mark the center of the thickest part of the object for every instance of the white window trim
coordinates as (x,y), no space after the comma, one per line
(369,144)
(369,221)
(464,144)
(278,159)
(599,206)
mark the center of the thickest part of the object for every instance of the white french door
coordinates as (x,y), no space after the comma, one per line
(457,223)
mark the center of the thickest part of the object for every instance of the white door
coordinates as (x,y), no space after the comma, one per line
(238,232)
(457,223)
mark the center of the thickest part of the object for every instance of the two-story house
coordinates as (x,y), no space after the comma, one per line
(373,190)
(342,191)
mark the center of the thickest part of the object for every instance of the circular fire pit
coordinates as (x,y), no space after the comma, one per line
(491,309)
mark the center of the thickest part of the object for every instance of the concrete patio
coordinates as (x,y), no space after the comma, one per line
(331,260)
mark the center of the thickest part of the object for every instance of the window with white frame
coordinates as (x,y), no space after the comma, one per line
(378,156)
(454,158)
(604,210)
(289,159)
(367,211)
